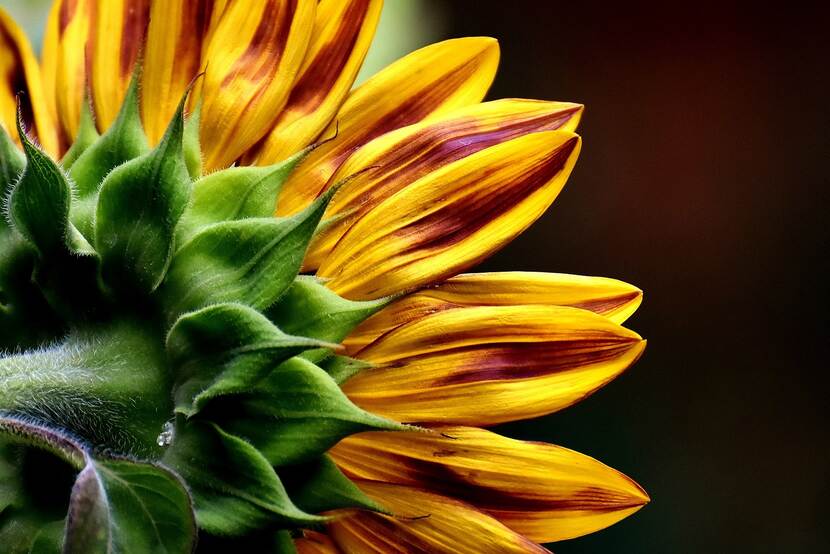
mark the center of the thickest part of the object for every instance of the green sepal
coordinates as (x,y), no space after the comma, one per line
(225,349)
(191,144)
(319,486)
(139,204)
(38,206)
(12,162)
(86,137)
(235,490)
(251,261)
(235,193)
(295,414)
(126,506)
(343,368)
(123,141)
(311,309)
(26,532)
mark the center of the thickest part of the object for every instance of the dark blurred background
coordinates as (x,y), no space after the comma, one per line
(703,180)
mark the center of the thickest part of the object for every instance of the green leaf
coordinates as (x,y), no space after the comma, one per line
(123,141)
(38,206)
(139,204)
(252,261)
(319,485)
(295,414)
(191,145)
(26,532)
(342,368)
(225,349)
(12,163)
(235,193)
(235,489)
(127,506)
(310,309)
(87,136)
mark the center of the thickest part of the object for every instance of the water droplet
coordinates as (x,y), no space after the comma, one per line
(165,438)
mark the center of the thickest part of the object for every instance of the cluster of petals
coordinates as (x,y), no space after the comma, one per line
(433,181)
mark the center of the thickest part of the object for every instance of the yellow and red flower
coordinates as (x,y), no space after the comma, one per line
(431,181)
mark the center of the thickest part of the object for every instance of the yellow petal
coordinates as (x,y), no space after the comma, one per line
(171,59)
(64,61)
(313,542)
(428,82)
(452,218)
(389,163)
(253,58)
(424,523)
(544,492)
(613,299)
(21,73)
(488,365)
(343,31)
(117,39)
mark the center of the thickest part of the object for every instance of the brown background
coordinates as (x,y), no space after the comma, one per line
(704,180)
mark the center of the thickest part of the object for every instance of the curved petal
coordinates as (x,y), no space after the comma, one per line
(64,61)
(343,31)
(452,218)
(251,61)
(393,161)
(428,82)
(117,40)
(488,365)
(424,523)
(171,59)
(313,542)
(21,73)
(545,492)
(613,299)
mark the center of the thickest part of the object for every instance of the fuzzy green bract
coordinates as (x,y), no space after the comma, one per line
(168,382)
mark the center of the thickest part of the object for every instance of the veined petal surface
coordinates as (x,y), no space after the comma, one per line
(21,73)
(343,31)
(392,161)
(313,542)
(172,58)
(489,365)
(452,218)
(428,82)
(118,37)
(545,492)
(424,522)
(611,298)
(64,61)
(252,60)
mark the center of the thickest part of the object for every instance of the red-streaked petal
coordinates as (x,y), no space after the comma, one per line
(428,82)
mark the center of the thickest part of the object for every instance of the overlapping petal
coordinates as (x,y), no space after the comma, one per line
(428,82)
(343,31)
(119,32)
(64,61)
(172,58)
(611,298)
(489,365)
(389,163)
(452,218)
(313,542)
(21,74)
(424,522)
(545,492)
(252,59)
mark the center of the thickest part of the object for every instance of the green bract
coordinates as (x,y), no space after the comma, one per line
(166,377)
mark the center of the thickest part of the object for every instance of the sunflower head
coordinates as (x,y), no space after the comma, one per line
(232,307)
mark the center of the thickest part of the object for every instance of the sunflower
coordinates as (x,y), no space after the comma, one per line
(233,306)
